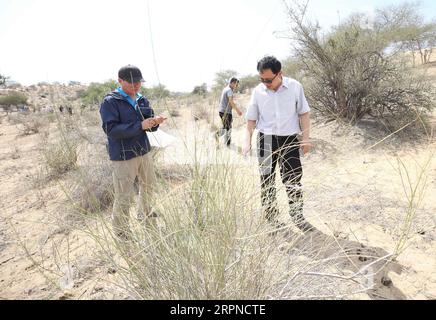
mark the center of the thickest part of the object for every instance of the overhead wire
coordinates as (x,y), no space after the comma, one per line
(246,59)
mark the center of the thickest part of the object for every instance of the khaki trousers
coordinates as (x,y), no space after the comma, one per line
(124,174)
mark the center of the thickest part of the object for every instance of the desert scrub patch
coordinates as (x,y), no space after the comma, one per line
(60,157)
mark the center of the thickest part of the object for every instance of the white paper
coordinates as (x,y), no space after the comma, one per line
(160,139)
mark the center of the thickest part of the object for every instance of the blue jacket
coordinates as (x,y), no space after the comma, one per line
(122,125)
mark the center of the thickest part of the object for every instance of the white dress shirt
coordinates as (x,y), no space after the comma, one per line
(277,112)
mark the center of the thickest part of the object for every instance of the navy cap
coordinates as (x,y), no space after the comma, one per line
(130,74)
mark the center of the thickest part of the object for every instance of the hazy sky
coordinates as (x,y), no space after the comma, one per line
(89,40)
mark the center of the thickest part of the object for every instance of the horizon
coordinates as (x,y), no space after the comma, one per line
(87,42)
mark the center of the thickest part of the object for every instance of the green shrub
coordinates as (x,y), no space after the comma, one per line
(222,79)
(95,93)
(248,82)
(3,79)
(28,123)
(156,93)
(12,99)
(200,90)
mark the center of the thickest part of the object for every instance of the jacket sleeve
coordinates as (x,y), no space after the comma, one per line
(112,125)
(147,112)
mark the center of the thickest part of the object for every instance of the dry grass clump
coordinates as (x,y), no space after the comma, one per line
(92,188)
(174,174)
(174,112)
(211,242)
(197,251)
(201,112)
(172,107)
(28,124)
(60,157)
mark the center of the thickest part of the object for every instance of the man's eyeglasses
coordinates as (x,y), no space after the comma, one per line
(268,81)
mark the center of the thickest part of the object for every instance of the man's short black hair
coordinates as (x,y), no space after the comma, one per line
(269,62)
(233,80)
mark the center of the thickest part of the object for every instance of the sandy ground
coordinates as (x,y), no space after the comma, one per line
(353,191)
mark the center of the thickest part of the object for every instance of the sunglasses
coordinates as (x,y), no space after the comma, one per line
(268,81)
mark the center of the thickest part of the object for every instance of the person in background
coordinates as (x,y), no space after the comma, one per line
(226,106)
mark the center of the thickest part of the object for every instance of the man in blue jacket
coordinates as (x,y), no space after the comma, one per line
(127,116)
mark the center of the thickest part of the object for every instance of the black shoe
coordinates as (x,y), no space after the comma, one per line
(301,223)
(305,226)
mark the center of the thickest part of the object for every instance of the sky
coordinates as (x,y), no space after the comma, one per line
(180,44)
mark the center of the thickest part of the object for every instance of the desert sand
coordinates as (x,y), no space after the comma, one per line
(352,180)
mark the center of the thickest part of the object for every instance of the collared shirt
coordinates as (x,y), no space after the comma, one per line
(277,112)
(133,103)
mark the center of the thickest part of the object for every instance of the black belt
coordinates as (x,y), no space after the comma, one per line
(277,137)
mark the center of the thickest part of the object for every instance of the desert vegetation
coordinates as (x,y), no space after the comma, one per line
(358,69)
(368,184)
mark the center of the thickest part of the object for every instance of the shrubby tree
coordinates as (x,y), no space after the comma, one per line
(3,80)
(353,71)
(222,79)
(95,92)
(12,99)
(407,29)
(157,92)
(292,67)
(248,82)
(200,90)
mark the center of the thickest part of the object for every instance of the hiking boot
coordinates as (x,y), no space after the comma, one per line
(305,226)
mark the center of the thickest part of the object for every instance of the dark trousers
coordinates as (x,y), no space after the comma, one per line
(226,119)
(283,150)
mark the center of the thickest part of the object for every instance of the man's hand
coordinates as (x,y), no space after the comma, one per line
(305,143)
(306,146)
(152,122)
(159,120)
(251,124)
(148,123)
(246,149)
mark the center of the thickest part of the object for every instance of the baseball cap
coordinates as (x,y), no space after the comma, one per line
(130,74)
